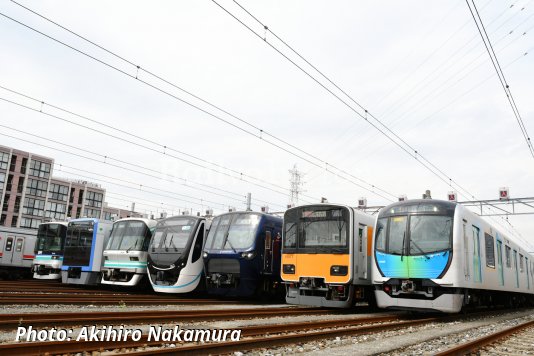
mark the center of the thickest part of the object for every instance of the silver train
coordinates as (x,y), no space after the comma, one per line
(16,251)
(125,255)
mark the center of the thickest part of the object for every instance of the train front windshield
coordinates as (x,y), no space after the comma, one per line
(317,229)
(172,235)
(129,235)
(233,232)
(420,230)
(80,234)
(50,238)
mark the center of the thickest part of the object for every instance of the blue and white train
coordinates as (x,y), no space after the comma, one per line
(84,244)
(175,254)
(125,256)
(49,250)
(432,255)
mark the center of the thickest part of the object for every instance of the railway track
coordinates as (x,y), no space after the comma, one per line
(254,337)
(121,300)
(109,318)
(500,342)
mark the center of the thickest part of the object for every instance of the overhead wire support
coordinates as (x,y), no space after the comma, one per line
(500,74)
(373,188)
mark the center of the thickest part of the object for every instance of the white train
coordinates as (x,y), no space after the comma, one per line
(49,250)
(126,253)
(175,263)
(16,250)
(432,255)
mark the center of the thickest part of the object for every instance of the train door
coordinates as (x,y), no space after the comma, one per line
(499,262)
(8,250)
(18,251)
(528,276)
(516,270)
(477,268)
(360,251)
(467,272)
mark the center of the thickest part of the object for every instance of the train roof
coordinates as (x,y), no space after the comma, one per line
(422,204)
(64,223)
(148,222)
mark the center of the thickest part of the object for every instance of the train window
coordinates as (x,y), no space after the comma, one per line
(19,245)
(381,229)
(360,239)
(9,244)
(268,240)
(521,258)
(490,251)
(397,235)
(199,242)
(290,235)
(507,253)
(429,234)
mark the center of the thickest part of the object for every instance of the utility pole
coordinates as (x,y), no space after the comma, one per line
(296,184)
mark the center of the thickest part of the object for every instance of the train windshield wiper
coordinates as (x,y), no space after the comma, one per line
(420,249)
(403,241)
(229,243)
(133,246)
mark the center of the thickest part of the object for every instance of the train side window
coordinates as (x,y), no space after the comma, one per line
(490,251)
(268,240)
(521,258)
(197,249)
(20,241)
(508,252)
(9,244)
(360,239)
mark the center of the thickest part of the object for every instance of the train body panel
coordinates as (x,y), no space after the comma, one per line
(444,259)
(175,254)
(16,249)
(125,255)
(49,250)
(326,255)
(242,255)
(82,259)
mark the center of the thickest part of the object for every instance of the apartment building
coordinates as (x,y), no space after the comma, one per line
(30,194)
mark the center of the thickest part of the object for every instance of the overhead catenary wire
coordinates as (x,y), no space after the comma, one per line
(409,150)
(372,188)
(496,65)
(108,163)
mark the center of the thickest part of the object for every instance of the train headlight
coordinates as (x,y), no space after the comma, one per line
(339,270)
(288,269)
(134,258)
(205,255)
(55,257)
(248,255)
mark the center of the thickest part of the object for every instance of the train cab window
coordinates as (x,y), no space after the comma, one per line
(397,235)
(507,253)
(360,239)
(199,243)
(521,258)
(18,248)
(381,228)
(290,235)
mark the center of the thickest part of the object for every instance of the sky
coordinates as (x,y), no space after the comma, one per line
(190,105)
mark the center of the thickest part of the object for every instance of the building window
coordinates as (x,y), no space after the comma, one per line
(14,220)
(4,158)
(107,215)
(94,199)
(39,169)
(13,163)
(17,204)
(78,212)
(6,202)
(80,196)
(20,185)
(58,192)
(24,165)
(9,182)
(3,219)
(30,223)
(55,211)
(2,180)
(92,213)
(37,188)
(33,207)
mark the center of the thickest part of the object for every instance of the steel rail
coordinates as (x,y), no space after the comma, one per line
(75,318)
(355,326)
(479,343)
